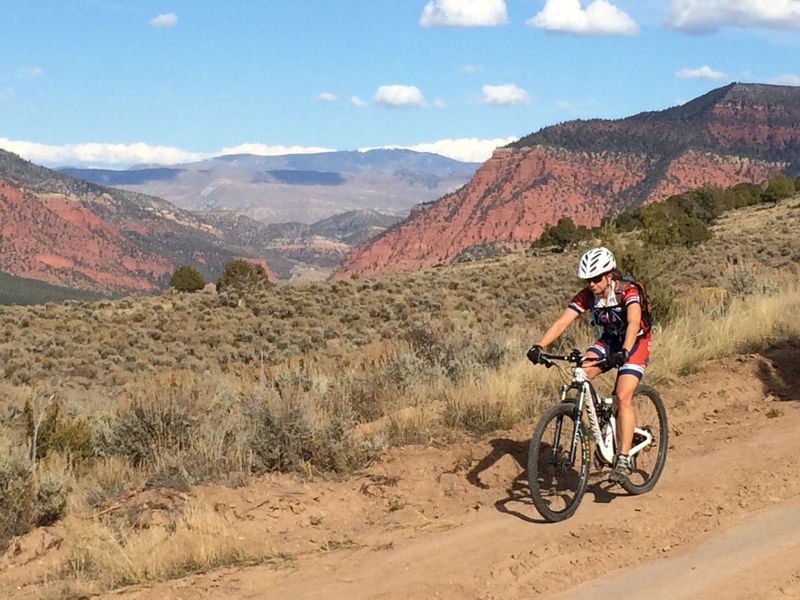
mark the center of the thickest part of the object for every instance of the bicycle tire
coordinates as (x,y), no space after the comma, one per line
(542,472)
(646,472)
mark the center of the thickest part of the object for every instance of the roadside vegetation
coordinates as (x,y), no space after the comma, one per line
(100,401)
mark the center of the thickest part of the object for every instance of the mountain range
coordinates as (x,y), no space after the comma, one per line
(590,169)
(68,232)
(71,233)
(302,188)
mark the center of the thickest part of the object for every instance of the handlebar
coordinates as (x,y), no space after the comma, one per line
(575,357)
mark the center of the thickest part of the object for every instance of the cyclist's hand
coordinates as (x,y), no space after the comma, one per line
(618,358)
(534,353)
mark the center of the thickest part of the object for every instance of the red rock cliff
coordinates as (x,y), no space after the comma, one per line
(591,169)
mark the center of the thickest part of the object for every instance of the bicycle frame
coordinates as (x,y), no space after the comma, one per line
(589,400)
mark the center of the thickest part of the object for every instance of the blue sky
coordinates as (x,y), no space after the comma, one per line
(114,83)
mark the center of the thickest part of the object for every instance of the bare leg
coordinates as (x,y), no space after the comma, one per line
(626,416)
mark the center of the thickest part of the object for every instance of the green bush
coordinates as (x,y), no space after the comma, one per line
(187,279)
(241,274)
(778,187)
(59,432)
(651,269)
(563,234)
(26,501)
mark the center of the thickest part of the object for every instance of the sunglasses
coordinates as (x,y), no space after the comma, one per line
(597,279)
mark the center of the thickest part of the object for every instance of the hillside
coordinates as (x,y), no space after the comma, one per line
(300,251)
(588,170)
(231,445)
(302,188)
(18,290)
(71,233)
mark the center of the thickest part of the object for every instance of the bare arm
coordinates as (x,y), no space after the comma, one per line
(634,314)
(556,329)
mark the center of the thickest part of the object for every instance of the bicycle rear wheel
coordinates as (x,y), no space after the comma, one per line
(556,485)
(649,462)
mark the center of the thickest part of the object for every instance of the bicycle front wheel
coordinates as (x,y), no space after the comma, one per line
(648,463)
(557,485)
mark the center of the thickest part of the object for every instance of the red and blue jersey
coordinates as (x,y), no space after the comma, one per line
(609,313)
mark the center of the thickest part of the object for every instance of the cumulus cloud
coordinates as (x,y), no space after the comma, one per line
(703,16)
(463,13)
(93,154)
(599,18)
(164,20)
(504,95)
(326,97)
(399,96)
(267,150)
(98,154)
(356,101)
(464,149)
(786,79)
(29,72)
(704,72)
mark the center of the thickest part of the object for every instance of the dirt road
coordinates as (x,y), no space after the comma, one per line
(724,520)
(455,522)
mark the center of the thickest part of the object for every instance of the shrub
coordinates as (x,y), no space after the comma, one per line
(778,187)
(187,279)
(26,501)
(242,274)
(16,498)
(563,234)
(59,432)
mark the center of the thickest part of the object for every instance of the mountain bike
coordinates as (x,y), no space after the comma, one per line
(558,458)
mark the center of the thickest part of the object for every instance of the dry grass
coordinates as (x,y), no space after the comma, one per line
(109,555)
(749,324)
(186,389)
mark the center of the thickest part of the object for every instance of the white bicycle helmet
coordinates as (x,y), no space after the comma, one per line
(596,262)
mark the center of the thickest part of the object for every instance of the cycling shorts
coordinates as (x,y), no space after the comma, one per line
(637,361)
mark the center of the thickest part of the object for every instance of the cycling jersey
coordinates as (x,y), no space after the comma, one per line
(610,317)
(609,313)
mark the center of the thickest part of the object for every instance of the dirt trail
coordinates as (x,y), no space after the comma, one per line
(456,522)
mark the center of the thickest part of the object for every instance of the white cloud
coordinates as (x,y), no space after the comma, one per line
(265,150)
(439,103)
(504,95)
(165,20)
(464,149)
(98,154)
(463,13)
(93,154)
(599,18)
(326,97)
(29,72)
(356,101)
(787,79)
(704,72)
(700,16)
(399,96)
(469,69)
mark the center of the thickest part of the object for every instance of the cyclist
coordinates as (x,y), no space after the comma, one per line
(624,341)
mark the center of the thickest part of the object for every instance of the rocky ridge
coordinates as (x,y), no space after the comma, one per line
(588,170)
(67,232)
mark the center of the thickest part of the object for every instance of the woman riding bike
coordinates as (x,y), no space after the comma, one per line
(616,310)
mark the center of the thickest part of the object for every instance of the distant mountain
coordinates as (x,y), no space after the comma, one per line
(591,169)
(302,188)
(72,233)
(295,249)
